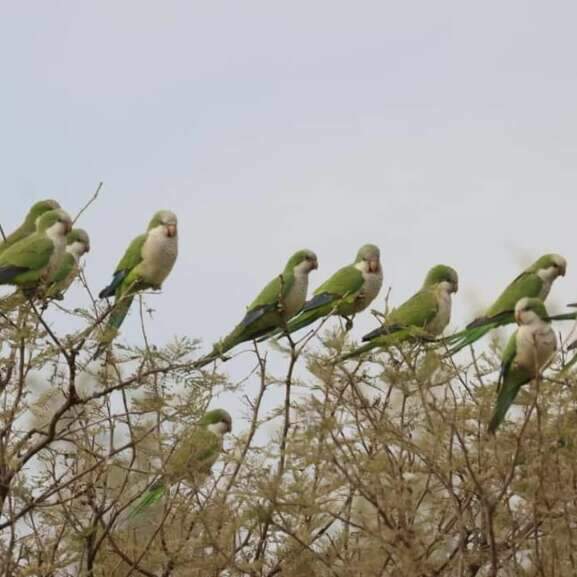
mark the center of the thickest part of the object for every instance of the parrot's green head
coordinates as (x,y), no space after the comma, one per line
(217,421)
(54,223)
(442,274)
(78,241)
(40,208)
(528,310)
(303,260)
(164,220)
(549,266)
(369,258)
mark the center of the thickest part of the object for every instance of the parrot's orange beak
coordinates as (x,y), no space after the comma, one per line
(314,264)
(171,230)
(374,265)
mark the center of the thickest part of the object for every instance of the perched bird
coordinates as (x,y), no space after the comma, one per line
(280,300)
(28,227)
(77,244)
(145,265)
(424,315)
(31,261)
(348,292)
(191,460)
(533,282)
(527,352)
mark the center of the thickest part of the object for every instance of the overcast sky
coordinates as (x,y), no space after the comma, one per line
(444,132)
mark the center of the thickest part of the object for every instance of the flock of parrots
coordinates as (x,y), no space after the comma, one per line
(42,258)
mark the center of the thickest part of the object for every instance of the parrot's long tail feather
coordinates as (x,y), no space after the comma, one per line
(120,311)
(563,317)
(468,337)
(229,342)
(115,320)
(394,339)
(359,351)
(218,350)
(153,495)
(305,319)
(505,399)
(207,359)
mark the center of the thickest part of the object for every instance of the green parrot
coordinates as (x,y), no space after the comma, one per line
(147,262)
(533,282)
(28,227)
(348,292)
(30,262)
(77,244)
(529,349)
(191,460)
(424,315)
(279,301)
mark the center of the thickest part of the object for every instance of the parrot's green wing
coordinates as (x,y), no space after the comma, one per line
(511,379)
(24,230)
(133,254)
(132,258)
(269,298)
(508,357)
(339,291)
(346,281)
(23,261)
(527,284)
(418,311)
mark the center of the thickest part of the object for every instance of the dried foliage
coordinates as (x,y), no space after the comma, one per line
(377,467)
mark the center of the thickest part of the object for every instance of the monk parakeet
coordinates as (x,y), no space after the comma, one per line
(533,282)
(527,352)
(31,261)
(77,244)
(424,315)
(280,300)
(349,291)
(192,458)
(28,227)
(146,263)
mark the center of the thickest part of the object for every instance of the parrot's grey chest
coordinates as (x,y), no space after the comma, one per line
(159,254)
(443,316)
(373,281)
(535,345)
(57,255)
(547,276)
(296,296)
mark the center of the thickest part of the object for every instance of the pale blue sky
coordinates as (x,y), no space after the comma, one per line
(442,131)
